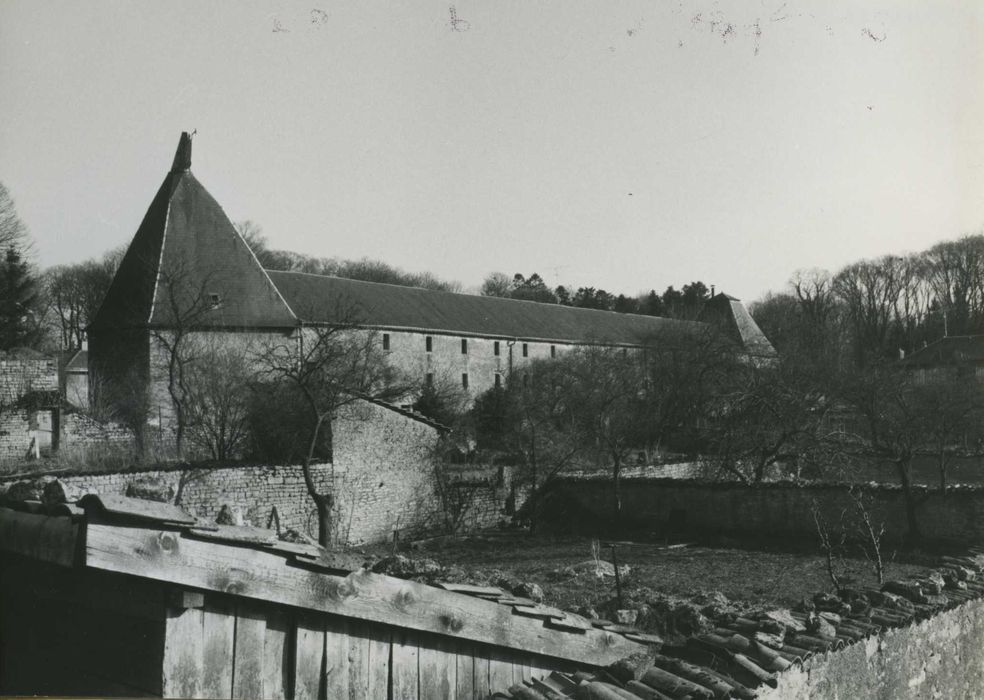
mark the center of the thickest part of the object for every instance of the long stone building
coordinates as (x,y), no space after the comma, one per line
(187,256)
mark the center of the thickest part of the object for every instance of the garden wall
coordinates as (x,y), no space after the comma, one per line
(770,509)
(938,658)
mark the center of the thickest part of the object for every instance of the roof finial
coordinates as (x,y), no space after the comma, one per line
(182,157)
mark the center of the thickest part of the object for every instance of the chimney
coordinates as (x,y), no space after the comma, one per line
(182,157)
(712,291)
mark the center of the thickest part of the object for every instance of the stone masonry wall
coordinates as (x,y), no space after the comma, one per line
(938,658)
(383,479)
(20,376)
(250,492)
(767,509)
(383,474)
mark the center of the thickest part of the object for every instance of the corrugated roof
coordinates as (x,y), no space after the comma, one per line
(321,299)
(184,251)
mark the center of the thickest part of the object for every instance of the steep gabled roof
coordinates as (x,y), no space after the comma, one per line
(730,315)
(321,299)
(185,251)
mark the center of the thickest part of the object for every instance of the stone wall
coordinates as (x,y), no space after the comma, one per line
(383,478)
(21,376)
(383,474)
(938,658)
(762,510)
(250,492)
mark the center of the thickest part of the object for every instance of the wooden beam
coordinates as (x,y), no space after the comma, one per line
(41,537)
(165,555)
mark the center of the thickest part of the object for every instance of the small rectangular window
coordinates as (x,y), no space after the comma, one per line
(526,350)
(498,381)
(214,300)
(625,352)
(386,341)
(429,379)
(526,379)
(464,380)
(553,351)
(464,346)
(429,343)
(495,348)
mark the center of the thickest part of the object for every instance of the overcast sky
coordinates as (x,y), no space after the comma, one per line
(627,145)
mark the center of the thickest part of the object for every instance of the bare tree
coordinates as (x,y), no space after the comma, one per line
(13,231)
(330,366)
(871,534)
(186,305)
(74,293)
(217,398)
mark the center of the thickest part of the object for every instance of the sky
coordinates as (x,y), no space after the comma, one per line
(624,145)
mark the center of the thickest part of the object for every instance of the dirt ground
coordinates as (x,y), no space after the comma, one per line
(561,566)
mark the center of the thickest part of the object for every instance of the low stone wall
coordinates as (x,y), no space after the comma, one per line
(250,492)
(938,658)
(769,509)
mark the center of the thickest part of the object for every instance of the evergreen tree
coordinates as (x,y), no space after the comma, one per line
(18,302)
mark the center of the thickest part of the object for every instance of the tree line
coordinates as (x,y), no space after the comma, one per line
(684,303)
(873,309)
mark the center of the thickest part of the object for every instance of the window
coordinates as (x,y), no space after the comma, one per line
(498,381)
(495,348)
(625,352)
(429,343)
(526,350)
(553,351)
(464,380)
(526,379)
(214,300)
(464,346)
(429,379)
(386,341)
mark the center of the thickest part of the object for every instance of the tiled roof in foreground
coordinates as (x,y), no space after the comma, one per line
(321,299)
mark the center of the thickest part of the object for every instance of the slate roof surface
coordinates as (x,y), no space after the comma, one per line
(185,250)
(79,362)
(321,299)
(729,314)
(949,350)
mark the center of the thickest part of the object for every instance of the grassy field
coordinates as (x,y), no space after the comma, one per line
(561,566)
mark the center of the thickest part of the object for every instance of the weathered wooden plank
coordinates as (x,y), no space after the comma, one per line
(247,671)
(405,668)
(41,537)
(482,676)
(500,670)
(309,657)
(362,595)
(339,644)
(438,666)
(464,672)
(219,631)
(184,654)
(379,644)
(135,508)
(277,670)
(471,589)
